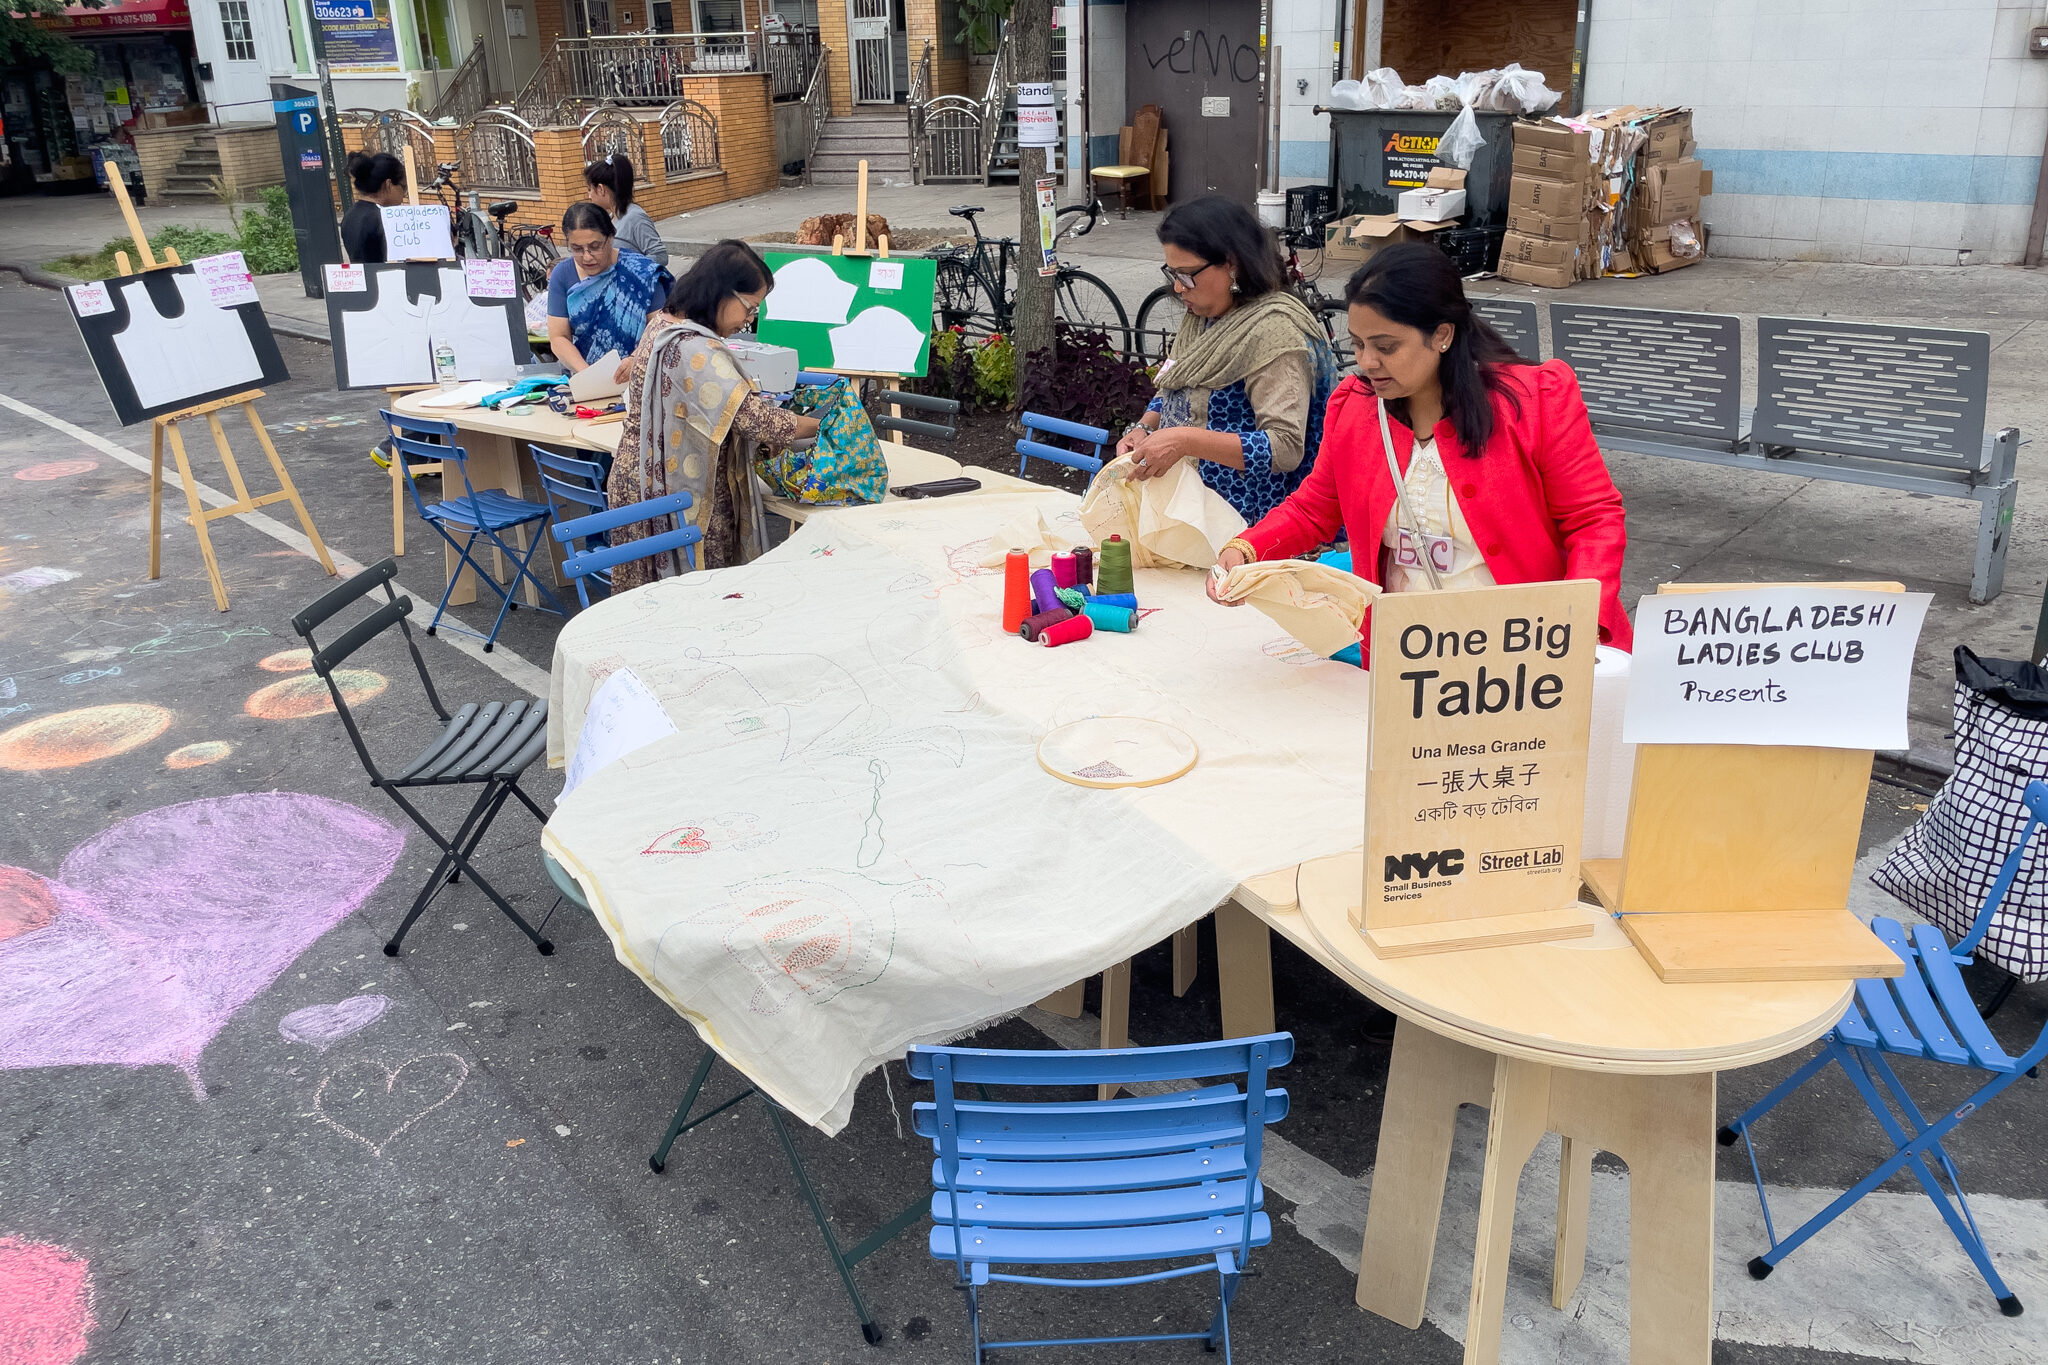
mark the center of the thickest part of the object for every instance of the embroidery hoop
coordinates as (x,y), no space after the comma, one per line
(1145,753)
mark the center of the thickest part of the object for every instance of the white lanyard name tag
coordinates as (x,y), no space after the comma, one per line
(1409,549)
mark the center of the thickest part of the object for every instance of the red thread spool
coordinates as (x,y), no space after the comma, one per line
(1063,571)
(1066,632)
(1034,625)
(1016,590)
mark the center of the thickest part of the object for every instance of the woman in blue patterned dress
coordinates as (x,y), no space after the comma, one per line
(1244,387)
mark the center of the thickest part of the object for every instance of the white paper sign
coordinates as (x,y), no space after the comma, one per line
(227,279)
(1034,93)
(346,279)
(1820,666)
(885,275)
(623,716)
(1038,126)
(537,312)
(91,299)
(417,232)
(489,279)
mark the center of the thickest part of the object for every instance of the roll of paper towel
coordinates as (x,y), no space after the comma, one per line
(1610,764)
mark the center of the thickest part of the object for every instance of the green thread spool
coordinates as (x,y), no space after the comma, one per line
(1122,620)
(1113,567)
(1071,598)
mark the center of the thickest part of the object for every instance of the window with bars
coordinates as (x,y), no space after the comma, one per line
(235,28)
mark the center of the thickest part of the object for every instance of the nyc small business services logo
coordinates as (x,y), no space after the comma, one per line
(1436,869)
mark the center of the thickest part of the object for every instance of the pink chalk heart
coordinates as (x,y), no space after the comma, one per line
(374,1103)
(45,1304)
(325,1025)
(168,922)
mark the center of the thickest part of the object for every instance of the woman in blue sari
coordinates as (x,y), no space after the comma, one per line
(601,298)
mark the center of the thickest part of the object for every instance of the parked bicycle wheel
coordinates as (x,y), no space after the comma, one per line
(1081,300)
(532,261)
(1158,323)
(959,298)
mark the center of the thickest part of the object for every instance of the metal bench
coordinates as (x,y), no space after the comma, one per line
(1888,407)
(945,410)
(1514,319)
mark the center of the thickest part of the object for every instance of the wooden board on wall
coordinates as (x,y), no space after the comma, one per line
(1424,38)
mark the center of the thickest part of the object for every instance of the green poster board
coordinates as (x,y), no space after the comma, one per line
(857,313)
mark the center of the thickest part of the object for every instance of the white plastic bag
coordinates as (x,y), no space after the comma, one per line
(1461,141)
(1522,92)
(1349,95)
(1442,93)
(1384,89)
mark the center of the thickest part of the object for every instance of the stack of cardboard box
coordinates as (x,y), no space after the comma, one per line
(1664,231)
(1550,202)
(1421,213)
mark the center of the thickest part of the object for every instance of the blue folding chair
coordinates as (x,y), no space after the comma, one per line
(1166,1177)
(1059,426)
(486,515)
(574,488)
(1926,1013)
(600,559)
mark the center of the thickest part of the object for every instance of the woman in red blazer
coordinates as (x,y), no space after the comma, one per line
(1509,487)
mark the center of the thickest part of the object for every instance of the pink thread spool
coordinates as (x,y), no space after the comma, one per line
(1064,571)
(1066,632)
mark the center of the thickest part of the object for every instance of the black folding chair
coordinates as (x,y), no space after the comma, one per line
(490,745)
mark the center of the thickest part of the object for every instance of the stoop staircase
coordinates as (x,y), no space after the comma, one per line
(879,134)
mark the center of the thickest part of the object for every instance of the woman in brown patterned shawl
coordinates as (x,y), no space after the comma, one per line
(689,406)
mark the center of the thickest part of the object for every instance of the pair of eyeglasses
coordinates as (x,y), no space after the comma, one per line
(753,312)
(1183,279)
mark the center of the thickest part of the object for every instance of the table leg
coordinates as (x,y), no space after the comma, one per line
(1670,1156)
(1428,1078)
(550,546)
(1116,1015)
(1066,1002)
(1244,971)
(1518,1118)
(1187,958)
(1574,1193)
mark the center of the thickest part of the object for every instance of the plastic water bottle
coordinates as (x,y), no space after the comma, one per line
(444,364)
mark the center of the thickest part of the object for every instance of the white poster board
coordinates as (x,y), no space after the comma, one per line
(417,232)
(1819,667)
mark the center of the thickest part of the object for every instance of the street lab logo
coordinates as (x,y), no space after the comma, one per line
(1438,869)
(1523,859)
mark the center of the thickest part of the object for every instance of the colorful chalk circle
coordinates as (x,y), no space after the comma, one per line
(198,755)
(56,469)
(286,661)
(69,739)
(307,695)
(46,1315)
(1117,751)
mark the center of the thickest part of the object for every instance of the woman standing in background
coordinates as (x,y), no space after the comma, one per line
(611,189)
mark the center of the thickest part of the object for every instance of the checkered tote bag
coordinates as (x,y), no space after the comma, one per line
(1944,866)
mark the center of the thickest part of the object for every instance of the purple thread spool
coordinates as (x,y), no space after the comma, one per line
(1044,590)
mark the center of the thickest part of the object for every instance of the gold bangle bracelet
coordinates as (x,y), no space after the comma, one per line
(1243,547)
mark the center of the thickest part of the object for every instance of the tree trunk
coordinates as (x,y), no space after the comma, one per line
(1031,52)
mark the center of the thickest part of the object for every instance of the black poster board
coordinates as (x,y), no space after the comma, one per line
(383,333)
(159,346)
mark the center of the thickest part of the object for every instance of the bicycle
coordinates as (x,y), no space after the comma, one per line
(1077,220)
(1159,316)
(974,287)
(529,246)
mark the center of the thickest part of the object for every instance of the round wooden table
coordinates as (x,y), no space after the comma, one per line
(1579,1038)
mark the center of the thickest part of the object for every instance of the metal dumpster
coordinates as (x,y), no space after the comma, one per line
(1377,153)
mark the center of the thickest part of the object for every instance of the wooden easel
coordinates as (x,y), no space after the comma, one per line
(166,427)
(1738,858)
(860,223)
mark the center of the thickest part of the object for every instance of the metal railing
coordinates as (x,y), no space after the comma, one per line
(469,93)
(640,68)
(496,151)
(817,109)
(992,103)
(948,145)
(393,130)
(610,131)
(689,139)
(790,56)
(920,91)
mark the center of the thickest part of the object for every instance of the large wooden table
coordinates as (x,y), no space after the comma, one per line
(1578,1038)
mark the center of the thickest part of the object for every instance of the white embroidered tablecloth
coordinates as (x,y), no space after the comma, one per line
(849,846)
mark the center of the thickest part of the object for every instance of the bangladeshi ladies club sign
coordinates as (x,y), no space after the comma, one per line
(121,16)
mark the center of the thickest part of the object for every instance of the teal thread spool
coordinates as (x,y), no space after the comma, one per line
(1122,620)
(1113,567)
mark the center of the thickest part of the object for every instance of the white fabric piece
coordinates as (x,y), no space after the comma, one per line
(1321,606)
(390,342)
(1028,532)
(808,290)
(1610,764)
(174,360)
(850,845)
(1172,521)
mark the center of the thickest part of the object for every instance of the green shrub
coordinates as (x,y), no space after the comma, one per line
(995,372)
(267,241)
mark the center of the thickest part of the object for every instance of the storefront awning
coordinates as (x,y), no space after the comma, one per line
(120,16)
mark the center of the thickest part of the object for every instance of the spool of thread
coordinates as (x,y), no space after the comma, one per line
(1084,567)
(1066,632)
(1034,626)
(1115,599)
(1113,573)
(1016,590)
(1063,571)
(1122,620)
(1044,591)
(1073,599)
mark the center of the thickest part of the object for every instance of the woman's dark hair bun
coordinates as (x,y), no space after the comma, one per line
(585,216)
(370,172)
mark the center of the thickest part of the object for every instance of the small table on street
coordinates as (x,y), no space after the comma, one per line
(1576,1037)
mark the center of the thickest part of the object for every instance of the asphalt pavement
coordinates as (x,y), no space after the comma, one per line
(307,1149)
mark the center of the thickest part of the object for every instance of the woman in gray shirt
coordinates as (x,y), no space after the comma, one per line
(611,189)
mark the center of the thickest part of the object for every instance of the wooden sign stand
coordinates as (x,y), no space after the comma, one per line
(1738,858)
(860,223)
(166,427)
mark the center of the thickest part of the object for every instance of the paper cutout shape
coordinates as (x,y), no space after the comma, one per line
(881,340)
(806,290)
